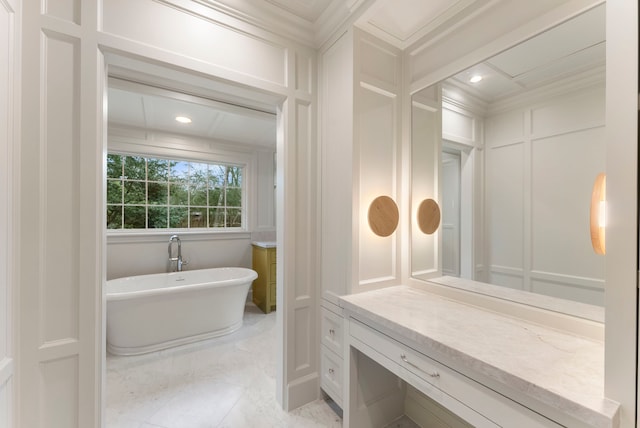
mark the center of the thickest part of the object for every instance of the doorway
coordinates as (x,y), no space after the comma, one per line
(451,212)
(160,82)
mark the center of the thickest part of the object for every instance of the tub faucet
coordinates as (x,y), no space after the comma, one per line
(178,259)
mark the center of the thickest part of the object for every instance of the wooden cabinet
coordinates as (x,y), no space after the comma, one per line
(264,287)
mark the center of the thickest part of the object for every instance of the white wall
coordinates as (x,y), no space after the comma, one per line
(541,161)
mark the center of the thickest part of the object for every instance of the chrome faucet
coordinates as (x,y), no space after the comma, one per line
(179,262)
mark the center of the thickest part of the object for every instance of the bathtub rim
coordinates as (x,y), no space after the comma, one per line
(250,276)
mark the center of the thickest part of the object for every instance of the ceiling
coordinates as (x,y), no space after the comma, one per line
(139,106)
(574,47)
(570,48)
(309,10)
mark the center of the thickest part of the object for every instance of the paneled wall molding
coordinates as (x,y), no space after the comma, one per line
(54,24)
(576,281)
(470,103)
(10,143)
(256,18)
(219,50)
(529,148)
(377,145)
(564,86)
(461,126)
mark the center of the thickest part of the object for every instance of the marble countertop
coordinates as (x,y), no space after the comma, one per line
(561,370)
(264,244)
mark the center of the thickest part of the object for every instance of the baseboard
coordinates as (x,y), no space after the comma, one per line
(302,391)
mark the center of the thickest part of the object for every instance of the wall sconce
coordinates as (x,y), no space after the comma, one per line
(428,216)
(598,214)
(383,216)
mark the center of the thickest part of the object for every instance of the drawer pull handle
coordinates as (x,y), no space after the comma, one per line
(406,360)
(332,331)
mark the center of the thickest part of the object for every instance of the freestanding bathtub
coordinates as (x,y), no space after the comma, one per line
(151,312)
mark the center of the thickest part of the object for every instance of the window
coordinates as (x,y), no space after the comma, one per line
(154,193)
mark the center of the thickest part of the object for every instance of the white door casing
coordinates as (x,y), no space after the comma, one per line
(9,138)
(451,214)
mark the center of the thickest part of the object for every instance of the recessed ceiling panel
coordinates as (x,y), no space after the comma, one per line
(571,49)
(492,86)
(403,22)
(307,9)
(209,120)
(584,60)
(575,35)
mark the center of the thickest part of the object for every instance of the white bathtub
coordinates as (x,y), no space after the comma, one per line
(151,312)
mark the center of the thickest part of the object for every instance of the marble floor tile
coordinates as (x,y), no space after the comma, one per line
(226,382)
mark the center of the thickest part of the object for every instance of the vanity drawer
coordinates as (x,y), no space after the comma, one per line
(465,397)
(331,380)
(332,331)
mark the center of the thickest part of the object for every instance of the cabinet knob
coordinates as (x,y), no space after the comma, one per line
(331,371)
(332,331)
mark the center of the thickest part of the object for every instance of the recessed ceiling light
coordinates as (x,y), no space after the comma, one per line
(475,78)
(183,119)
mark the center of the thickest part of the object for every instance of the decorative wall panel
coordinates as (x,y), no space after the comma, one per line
(60,150)
(425,148)
(304,72)
(66,10)
(378,63)
(303,341)
(336,170)
(542,159)
(376,124)
(200,37)
(458,127)
(561,192)
(305,203)
(505,190)
(59,383)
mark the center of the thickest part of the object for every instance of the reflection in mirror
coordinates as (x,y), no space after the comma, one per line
(510,148)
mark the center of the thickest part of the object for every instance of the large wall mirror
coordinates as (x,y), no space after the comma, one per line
(517,142)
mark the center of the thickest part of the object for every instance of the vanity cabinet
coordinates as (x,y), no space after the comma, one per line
(332,349)
(488,369)
(467,399)
(264,287)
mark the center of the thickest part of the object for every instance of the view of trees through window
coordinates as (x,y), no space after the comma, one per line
(154,193)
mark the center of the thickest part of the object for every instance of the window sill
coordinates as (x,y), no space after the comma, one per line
(120,237)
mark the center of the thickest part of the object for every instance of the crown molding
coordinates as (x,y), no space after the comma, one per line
(281,22)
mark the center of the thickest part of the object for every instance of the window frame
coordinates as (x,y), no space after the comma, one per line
(179,151)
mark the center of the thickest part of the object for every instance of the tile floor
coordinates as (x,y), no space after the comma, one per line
(227,382)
